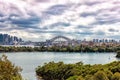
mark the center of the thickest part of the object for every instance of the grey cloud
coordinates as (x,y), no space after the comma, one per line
(41,0)
(1,15)
(100,32)
(85,14)
(113,30)
(56,10)
(105,21)
(21,23)
(84,27)
(114,36)
(59,24)
(84,33)
(29,22)
(91,3)
(55,32)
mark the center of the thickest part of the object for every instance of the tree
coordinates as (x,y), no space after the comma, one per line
(80,78)
(55,71)
(75,78)
(118,54)
(79,71)
(116,76)
(88,77)
(8,71)
(100,75)
(72,78)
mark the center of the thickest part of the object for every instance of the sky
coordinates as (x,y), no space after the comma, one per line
(38,20)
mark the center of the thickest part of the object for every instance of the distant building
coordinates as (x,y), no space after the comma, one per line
(6,39)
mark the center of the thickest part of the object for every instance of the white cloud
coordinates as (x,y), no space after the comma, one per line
(106,28)
(101,17)
(84,21)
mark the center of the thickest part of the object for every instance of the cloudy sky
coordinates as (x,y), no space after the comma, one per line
(38,20)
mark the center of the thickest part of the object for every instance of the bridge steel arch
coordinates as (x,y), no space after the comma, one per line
(57,37)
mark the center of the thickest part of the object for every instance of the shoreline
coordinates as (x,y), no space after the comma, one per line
(80,49)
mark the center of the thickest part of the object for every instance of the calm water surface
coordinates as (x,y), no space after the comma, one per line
(30,60)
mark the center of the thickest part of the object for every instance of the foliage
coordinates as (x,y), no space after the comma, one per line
(100,75)
(72,78)
(59,71)
(9,71)
(77,48)
(118,54)
(79,71)
(116,76)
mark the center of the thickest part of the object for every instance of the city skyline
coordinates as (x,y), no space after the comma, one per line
(6,39)
(38,20)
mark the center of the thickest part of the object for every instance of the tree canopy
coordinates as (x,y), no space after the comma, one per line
(79,71)
(9,71)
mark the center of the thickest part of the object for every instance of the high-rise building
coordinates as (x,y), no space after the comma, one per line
(6,39)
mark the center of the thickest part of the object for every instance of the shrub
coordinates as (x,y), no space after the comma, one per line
(100,75)
(116,76)
(118,54)
(9,71)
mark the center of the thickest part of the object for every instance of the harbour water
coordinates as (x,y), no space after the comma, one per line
(28,61)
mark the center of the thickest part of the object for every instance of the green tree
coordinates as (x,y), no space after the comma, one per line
(116,76)
(61,71)
(80,78)
(100,75)
(75,78)
(88,77)
(118,54)
(72,78)
(109,74)
(8,71)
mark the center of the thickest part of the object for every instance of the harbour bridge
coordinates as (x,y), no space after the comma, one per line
(60,38)
(59,41)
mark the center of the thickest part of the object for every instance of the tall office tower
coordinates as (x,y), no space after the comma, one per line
(6,39)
